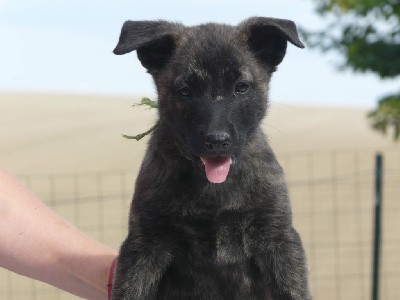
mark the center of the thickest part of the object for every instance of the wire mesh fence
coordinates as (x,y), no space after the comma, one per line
(332,194)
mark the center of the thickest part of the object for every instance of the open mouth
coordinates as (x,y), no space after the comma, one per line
(217,168)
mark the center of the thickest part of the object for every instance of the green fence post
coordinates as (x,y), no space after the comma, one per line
(377,225)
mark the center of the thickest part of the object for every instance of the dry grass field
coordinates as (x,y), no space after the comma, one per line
(68,149)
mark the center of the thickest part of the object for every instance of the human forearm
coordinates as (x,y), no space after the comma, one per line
(36,242)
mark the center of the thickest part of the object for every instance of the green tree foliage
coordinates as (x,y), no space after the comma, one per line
(387,115)
(367,34)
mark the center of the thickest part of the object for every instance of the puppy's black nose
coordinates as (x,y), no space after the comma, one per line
(217,141)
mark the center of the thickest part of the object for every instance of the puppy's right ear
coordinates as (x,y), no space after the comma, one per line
(154,41)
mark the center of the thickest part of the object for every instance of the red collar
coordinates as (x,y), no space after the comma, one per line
(111,276)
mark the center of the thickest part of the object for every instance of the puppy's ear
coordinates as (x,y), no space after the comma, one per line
(154,41)
(267,38)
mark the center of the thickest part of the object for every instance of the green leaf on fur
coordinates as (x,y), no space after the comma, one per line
(147,102)
(138,137)
(151,104)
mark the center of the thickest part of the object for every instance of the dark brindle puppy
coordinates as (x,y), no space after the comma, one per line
(211,216)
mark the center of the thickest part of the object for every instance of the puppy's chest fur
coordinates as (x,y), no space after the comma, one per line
(216,251)
(217,240)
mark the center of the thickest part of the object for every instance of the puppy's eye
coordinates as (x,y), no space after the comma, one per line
(185,92)
(241,87)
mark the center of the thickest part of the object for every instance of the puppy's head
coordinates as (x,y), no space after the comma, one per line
(212,81)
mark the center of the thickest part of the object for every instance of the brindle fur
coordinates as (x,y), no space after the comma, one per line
(189,238)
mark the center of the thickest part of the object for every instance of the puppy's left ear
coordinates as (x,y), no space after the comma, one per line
(267,38)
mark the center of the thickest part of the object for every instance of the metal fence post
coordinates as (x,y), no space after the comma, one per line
(377,225)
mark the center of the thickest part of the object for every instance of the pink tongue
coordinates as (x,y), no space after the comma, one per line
(217,168)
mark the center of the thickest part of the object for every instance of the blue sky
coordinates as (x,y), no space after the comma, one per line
(66,46)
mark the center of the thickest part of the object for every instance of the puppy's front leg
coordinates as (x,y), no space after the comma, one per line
(282,259)
(141,264)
